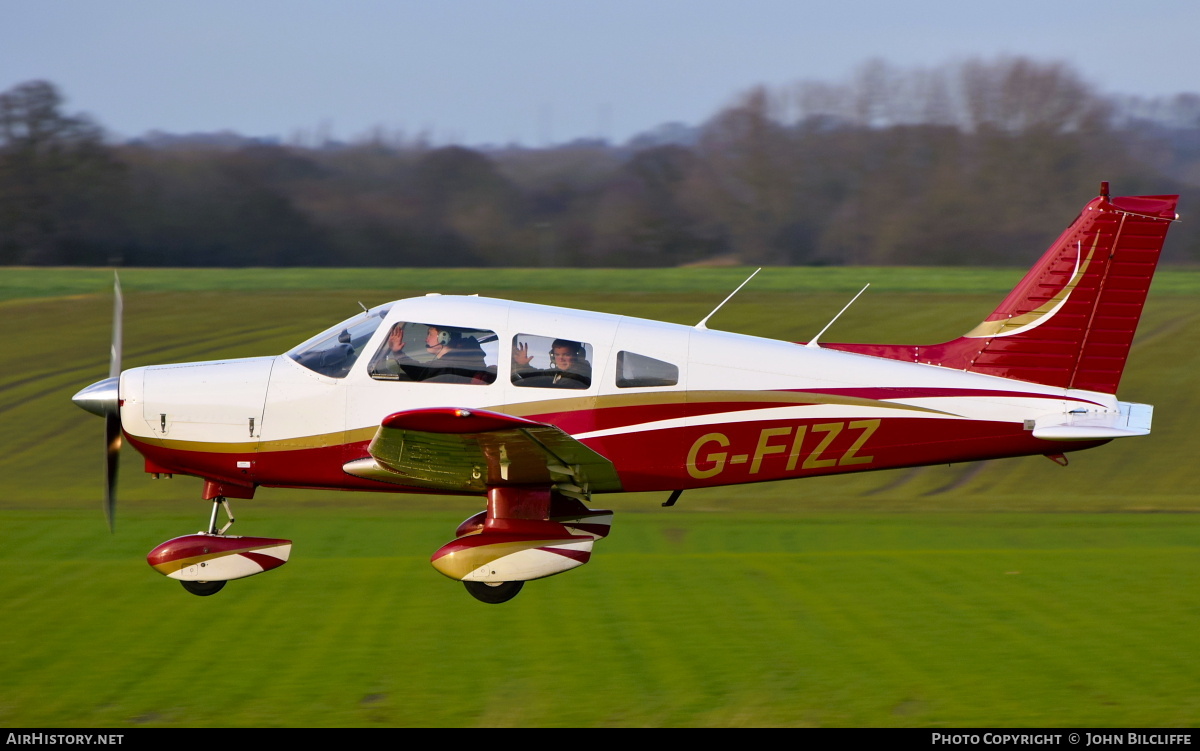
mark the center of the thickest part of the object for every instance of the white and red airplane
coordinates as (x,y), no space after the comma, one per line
(539,409)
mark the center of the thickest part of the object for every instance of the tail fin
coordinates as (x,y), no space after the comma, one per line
(1070,321)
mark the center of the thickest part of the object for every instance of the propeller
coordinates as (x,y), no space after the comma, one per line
(112,419)
(101,398)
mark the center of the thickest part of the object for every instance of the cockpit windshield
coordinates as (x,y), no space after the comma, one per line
(334,351)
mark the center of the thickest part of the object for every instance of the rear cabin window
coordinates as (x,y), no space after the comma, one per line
(436,353)
(547,362)
(639,371)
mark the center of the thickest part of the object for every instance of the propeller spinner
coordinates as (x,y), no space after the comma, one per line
(102,399)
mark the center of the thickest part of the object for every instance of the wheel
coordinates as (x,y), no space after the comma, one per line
(203,589)
(493,593)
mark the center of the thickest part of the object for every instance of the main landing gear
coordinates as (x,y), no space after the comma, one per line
(527,532)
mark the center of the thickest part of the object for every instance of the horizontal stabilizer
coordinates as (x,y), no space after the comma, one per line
(1132,420)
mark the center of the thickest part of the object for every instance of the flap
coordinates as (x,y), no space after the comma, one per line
(468,450)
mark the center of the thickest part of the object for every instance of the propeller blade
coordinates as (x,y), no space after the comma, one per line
(112,420)
(112,431)
(114,361)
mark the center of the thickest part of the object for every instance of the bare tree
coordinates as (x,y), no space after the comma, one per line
(59,183)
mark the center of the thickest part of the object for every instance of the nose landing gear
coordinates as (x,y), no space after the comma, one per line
(203,589)
(494,593)
(205,561)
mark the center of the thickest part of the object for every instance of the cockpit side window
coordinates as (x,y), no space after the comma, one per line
(334,351)
(549,362)
(436,353)
(634,371)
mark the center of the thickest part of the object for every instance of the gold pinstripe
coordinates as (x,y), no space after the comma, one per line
(179,564)
(1008,325)
(462,562)
(362,435)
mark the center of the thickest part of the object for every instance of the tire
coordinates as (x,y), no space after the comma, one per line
(493,593)
(203,589)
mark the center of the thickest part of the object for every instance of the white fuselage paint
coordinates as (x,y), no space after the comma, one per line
(214,402)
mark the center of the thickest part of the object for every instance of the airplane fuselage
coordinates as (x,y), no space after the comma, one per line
(671,406)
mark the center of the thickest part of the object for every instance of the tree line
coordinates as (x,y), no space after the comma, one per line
(979,162)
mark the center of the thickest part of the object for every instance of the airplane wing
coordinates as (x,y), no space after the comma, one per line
(469,450)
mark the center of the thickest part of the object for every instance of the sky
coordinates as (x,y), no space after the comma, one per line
(537,72)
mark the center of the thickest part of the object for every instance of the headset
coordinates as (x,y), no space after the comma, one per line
(575,347)
(445,336)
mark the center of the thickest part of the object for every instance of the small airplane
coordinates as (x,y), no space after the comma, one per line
(539,409)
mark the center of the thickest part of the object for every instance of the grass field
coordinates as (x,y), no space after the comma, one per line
(1008,593)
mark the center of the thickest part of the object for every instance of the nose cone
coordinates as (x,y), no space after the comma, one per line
(100,398)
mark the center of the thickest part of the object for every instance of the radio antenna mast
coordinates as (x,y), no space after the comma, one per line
(813,343)
(701,325)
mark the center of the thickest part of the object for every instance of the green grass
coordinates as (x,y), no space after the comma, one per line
(683,618)
(1007,593)
(17,283)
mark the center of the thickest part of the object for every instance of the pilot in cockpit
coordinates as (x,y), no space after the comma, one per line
(455,357)
(569,367)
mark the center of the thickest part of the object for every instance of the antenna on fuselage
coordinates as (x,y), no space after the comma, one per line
(813,342)
(701,325)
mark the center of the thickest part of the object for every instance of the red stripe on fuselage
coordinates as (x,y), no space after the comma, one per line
(887,393)
(316,468)
(720,453)
(737,453)
(607,418)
